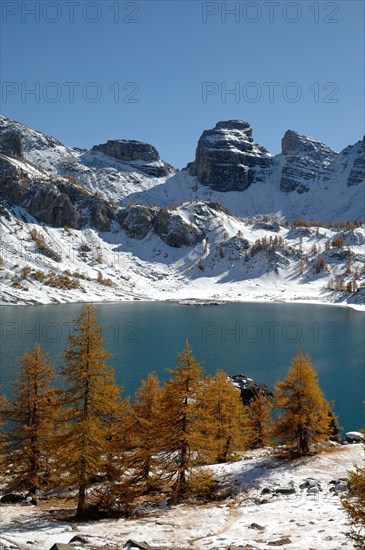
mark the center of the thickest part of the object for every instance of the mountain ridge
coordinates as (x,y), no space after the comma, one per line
(108,216)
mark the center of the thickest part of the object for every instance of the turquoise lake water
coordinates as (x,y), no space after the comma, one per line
(256,339)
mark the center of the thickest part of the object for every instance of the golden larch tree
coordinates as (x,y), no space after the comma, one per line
(259,422)
(92,407)
(304,412)
(180,421)
(3,432)
(147,438)
(225,419)
(355,505)
(30,416)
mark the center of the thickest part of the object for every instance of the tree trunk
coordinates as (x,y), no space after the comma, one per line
(81,503)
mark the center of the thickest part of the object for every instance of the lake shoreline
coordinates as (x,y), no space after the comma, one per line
(193,301)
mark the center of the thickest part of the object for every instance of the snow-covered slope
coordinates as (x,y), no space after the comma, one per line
(265,503)
(86,264)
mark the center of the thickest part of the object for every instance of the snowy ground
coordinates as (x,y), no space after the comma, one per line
(310,521)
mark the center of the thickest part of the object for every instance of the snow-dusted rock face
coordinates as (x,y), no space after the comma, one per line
(226,157)
(306,161)
(141,155)
(13,181)
(175,231)
(137,220)
(128,150)
(357,173)
(11,144)
(50,199)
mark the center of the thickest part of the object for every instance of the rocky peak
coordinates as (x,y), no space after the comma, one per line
(239,125)
(128,150)
(295,143)
(306,161)
(141,155)
(226,158)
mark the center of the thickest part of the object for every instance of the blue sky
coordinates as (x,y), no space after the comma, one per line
(161,71)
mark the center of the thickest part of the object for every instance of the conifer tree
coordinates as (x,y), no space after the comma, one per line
(31,415)
(224,423)
(355,506)
(304,417)
(92,408)
(259,421)
(145,417)
(117,491)
(3,433)
(180,420)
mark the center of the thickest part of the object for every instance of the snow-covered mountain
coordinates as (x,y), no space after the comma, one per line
(117,222)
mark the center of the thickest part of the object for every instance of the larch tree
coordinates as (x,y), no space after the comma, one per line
(181,421)
(304,412)
(259,422)
(92,407)
(355,505)
(3,433)
(224,419)
(147,438)
(31,416)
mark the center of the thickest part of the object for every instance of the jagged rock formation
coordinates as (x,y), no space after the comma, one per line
(306,162)
(50,202)
(142,156)
(226,157)
(357,172)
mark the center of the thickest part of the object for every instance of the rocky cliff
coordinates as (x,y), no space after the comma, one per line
(227,159)
(141,156)
(306,162)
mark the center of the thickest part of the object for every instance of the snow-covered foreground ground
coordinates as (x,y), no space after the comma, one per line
(306,518)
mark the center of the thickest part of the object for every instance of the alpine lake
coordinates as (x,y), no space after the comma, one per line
(258,340)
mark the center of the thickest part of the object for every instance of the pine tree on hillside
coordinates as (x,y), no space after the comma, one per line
(259,421)
(145,417)
(304,417)
(225,419)
(30,417)
(92,408)
(181,421)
